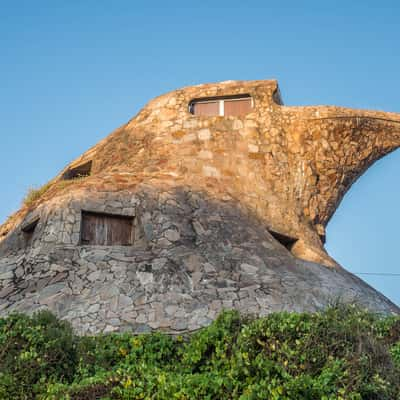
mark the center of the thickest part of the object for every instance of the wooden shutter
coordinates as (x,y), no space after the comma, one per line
(106,229)
(209,108)
(237,106)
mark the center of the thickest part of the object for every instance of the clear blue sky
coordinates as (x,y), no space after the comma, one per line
(72,71)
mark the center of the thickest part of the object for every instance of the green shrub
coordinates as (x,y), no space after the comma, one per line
(342,353)
(34,351)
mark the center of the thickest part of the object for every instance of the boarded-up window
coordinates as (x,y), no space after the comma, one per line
(206,108)
(237,106)
(106,229)
(222,106)
(78,172)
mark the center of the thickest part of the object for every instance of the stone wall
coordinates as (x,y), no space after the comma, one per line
(193,256)
(205,193)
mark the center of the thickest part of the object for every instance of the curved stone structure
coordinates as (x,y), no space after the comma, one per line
(226,211)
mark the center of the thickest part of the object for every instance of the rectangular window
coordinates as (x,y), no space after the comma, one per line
(237,106)
(222,106)
(206,108)
(106,229)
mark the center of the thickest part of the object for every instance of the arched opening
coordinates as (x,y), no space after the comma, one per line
(363,233)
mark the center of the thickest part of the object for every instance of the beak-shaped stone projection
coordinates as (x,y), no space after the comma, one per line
(214,196)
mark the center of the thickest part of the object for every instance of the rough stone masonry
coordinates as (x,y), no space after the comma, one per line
(222,211)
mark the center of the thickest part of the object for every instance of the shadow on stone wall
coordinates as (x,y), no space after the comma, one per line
(193,257)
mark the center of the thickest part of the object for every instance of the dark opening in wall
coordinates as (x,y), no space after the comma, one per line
(4,233)
(29,228)
(78,172)
(106,229)
(222,106)
(284,240)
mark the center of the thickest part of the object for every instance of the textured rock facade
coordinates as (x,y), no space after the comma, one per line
(205,193)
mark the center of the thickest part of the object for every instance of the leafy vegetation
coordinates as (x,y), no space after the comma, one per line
(343,352)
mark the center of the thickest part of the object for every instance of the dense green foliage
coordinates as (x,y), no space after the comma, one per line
(341,353)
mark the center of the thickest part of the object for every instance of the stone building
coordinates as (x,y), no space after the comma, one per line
(213,196)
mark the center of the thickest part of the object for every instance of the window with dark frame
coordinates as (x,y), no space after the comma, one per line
(106,229)
(222,106)
(80,171)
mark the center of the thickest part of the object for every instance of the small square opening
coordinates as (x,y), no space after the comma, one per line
(284,240)
(29,228)
(81,171)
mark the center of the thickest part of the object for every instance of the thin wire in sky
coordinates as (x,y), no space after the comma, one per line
(376,273)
